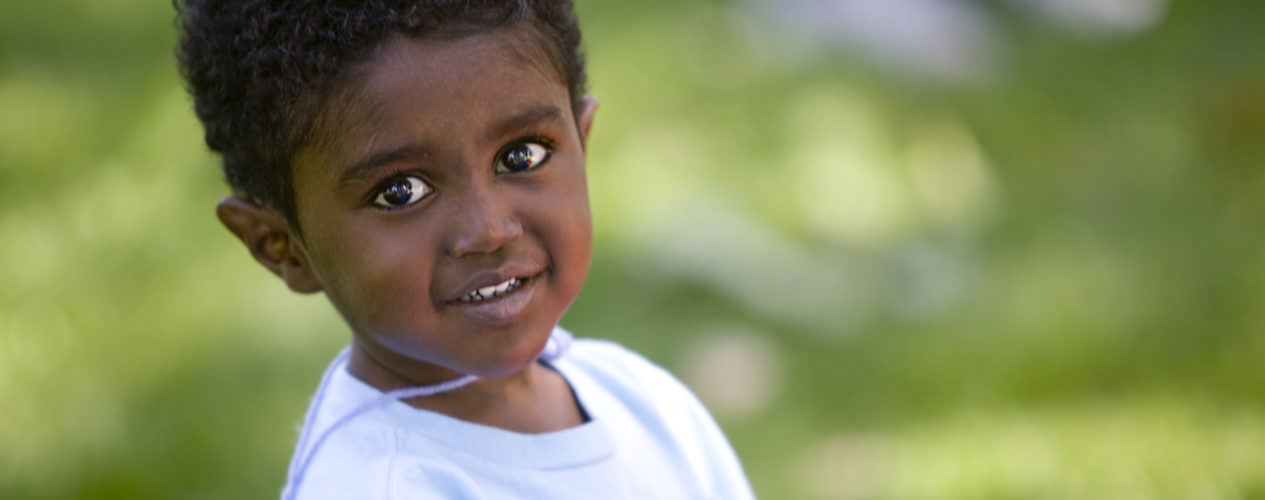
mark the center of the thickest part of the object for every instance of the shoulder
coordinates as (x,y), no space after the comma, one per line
(647,390)
(364,457)
(665,409)
(352,463)
(615,363)
(367,462)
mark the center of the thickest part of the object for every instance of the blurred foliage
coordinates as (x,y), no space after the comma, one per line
(1041,283)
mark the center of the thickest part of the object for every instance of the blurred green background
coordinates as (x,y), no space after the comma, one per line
(902,249)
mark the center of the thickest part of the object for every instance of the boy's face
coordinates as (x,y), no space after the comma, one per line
(454,165)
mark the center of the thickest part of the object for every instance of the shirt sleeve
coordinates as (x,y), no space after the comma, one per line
(696,434)
(713,456)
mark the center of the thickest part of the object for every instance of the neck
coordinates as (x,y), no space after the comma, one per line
(533,400)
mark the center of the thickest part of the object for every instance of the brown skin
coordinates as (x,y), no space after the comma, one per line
(442,114)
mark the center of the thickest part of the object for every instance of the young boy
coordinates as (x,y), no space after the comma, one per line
(422,164)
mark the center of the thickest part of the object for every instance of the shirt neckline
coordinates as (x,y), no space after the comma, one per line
(423,429)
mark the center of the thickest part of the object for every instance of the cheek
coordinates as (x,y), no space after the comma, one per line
(376,282)
(571,230)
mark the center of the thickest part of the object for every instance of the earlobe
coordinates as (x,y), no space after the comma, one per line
(584,120)
(270,240)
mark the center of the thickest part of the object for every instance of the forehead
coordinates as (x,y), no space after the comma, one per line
(431,66)
(437,87)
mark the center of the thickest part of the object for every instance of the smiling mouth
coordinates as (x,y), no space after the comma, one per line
(489,292)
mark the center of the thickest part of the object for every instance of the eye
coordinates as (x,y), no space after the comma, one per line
(401,192)
(521,157)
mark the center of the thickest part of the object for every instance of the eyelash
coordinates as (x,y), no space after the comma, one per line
(379,191)
(543,142)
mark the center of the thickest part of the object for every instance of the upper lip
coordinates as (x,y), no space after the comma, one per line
(493,277)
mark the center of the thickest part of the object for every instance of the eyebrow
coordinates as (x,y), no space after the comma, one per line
(375,161)
(533,115)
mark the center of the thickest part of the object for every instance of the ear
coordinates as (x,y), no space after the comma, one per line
(271,241)
(588,108)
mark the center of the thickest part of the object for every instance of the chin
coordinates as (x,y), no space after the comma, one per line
(510,363)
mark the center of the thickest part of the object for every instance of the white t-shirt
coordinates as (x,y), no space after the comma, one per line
(648,437)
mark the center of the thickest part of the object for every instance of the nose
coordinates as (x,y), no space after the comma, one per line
(484,222)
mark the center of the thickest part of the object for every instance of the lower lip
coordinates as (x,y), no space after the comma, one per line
(500,310)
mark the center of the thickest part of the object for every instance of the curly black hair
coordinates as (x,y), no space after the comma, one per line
(262,71)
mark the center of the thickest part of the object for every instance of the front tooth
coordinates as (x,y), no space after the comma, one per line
(501,288)
(487,291)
